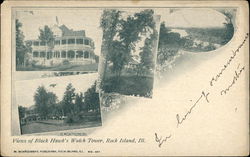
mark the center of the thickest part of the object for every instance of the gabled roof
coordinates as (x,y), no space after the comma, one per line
(70,32)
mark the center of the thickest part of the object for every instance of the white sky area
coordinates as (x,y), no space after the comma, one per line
(26,89)
(76,19)
(88,19)
(200,17)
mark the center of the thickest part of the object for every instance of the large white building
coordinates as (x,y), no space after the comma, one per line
(69,47)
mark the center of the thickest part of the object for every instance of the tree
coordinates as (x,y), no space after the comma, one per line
(229,28)
(43,101)
(68,99)
(110,24)
(169,44)
(21,111)
(146,55)
(47,36)
(91,99)
(79,103)
(117,57)
(21,48)
(121,35)
(132,31)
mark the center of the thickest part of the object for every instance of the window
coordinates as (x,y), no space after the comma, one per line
(57,42)
(35,54)
(71,54)
(42,54)
(79,54)
(42,43)
(36,43)
(86,42)
(79,41)
(63,54)
(86,54)
(64,41)
(71,41)
(57,54)
(49,55)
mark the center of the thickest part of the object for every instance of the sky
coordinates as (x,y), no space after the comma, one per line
(25,89)
(199,17)
(88,19)
(76,19)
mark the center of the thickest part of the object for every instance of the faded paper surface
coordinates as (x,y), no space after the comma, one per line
(200,106)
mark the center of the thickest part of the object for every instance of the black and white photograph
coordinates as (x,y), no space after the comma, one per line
(188,35)
(128,52)
(57,39)
(124,78)
(57,101)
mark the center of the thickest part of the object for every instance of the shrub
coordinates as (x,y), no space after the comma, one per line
(33,63)
(65,62)
(73,118)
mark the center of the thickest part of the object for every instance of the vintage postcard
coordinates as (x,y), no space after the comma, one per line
(76,78)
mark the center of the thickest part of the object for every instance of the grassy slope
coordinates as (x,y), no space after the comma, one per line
(129,85)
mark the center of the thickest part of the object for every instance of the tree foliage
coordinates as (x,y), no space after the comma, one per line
(21,48)
(21,111)
(229,28)
(68,99)
(169,44)
(44,100)
(79,103)
(91,98)
(146,54)
(110,24)
(121,35)
(47,36)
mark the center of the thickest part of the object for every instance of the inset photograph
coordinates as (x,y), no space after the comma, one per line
(128,53)
(57,39)
(63,102)
(190,35)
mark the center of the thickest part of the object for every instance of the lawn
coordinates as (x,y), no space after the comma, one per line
(68,67)
(55,125)
(129,85)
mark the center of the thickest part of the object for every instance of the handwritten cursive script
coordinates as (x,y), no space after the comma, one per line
(203,95)
(228,62)
(160,140)
(235,78)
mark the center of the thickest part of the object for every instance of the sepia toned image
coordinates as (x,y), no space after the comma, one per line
(57,101)
(128,51)
(52,40)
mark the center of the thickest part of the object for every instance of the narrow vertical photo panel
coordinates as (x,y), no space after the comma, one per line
(128,51)
(55,101)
